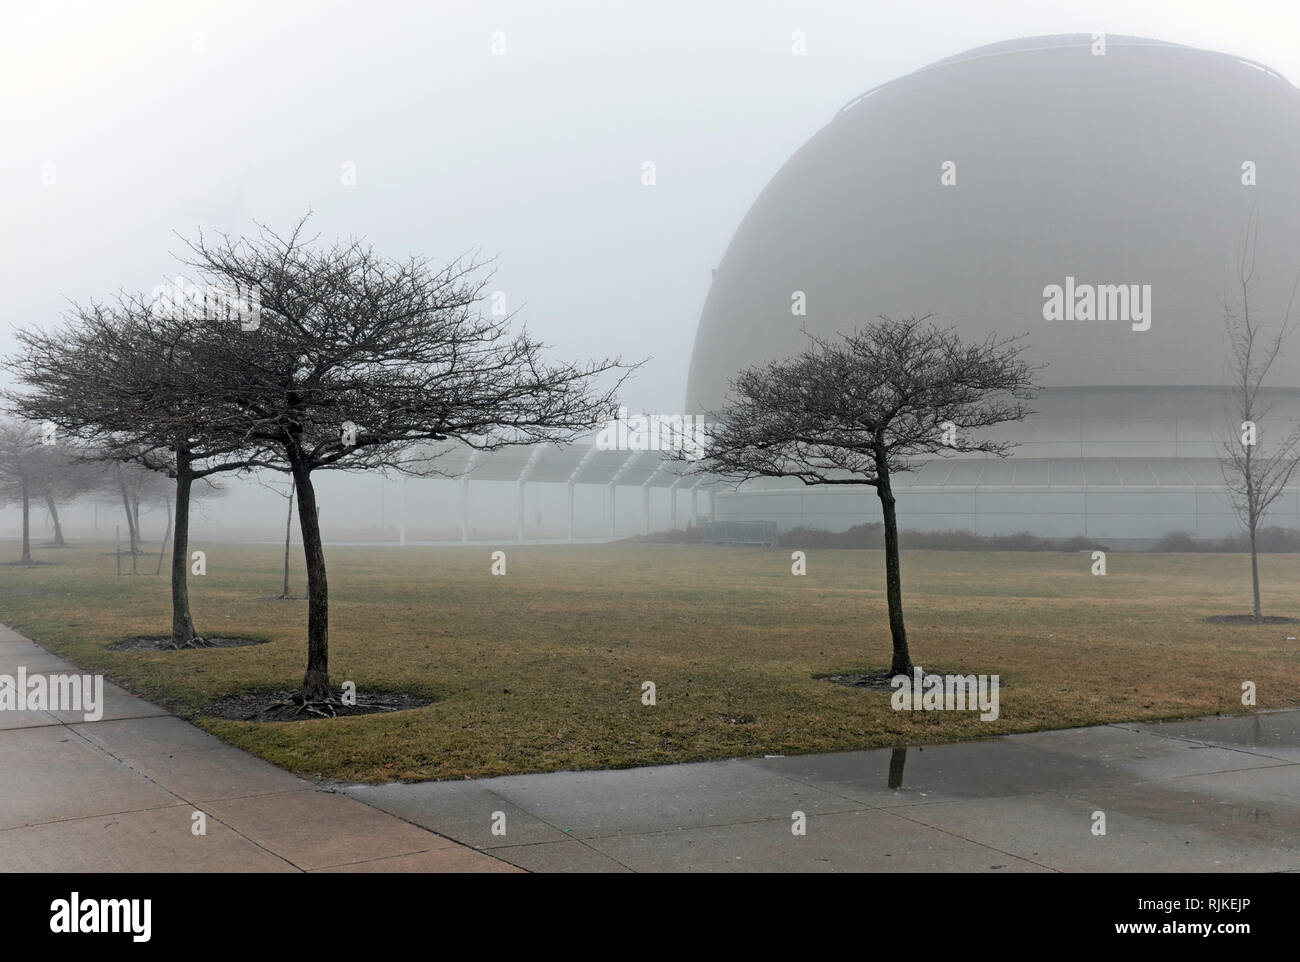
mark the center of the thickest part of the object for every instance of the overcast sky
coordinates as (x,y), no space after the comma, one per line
(156,117)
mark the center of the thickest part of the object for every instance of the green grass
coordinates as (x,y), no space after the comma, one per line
(542,669)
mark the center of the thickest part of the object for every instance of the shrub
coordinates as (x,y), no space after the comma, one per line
(872,535)
(1180,541)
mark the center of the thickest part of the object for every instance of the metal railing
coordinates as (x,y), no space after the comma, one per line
(739,532)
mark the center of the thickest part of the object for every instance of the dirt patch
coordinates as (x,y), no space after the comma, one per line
(163,643)
(880,680)
(1250,620)
(280,706)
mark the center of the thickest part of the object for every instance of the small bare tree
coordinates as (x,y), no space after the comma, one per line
(65,476)
(857,409)
(54,472)
(124,379)
(22,463)
(360,362)
(285,491)
(1253,476)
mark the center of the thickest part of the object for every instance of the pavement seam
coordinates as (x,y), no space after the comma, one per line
(423,828)
(100,721)
(831,791)
(1227,771)
(744,821)
(1200,741)
(958,835)
(855,805)
(82,818)
(423,851)
(194,806)
(569,835)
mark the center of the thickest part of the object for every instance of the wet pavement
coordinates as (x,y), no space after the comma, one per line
(1219,794)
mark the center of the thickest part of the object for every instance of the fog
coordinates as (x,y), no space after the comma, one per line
(122,124)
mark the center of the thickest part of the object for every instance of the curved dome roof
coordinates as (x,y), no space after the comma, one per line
(1117,169)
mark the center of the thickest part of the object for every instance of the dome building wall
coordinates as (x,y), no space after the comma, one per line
(1122,169)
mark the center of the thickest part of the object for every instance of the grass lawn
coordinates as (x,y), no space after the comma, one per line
(542,669)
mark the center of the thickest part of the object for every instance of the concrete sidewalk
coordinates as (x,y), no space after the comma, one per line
(119,795)
(1203,796)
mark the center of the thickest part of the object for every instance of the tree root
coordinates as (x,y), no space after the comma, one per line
(196,641)
(321,707)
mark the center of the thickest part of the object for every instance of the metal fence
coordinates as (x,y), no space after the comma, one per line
(739,532)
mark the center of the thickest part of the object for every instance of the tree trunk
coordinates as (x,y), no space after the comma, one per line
(902,663)
(54,516)
(126,505)
(27,540)
(167,536)
(183,634)
(1254,575)
(288,527)
(316,683)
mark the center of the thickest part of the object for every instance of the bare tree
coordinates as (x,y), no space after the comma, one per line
(857,409)
(362,362)
(21,464)
(125,379)
(57,474)
(288,529)
(138,485)
(1253,476)
(116,481)
(285,492)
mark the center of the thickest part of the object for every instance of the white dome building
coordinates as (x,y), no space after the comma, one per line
(970,187)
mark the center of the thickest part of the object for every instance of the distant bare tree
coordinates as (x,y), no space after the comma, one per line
(116,482)
(58,473)
(286,492)
(138,485)
(21,464)
(856,409)
(285,595)
(1253,475)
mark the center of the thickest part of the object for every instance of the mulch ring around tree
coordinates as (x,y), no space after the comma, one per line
(282,706)
(880,680)
(164,643)
(1250,620)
